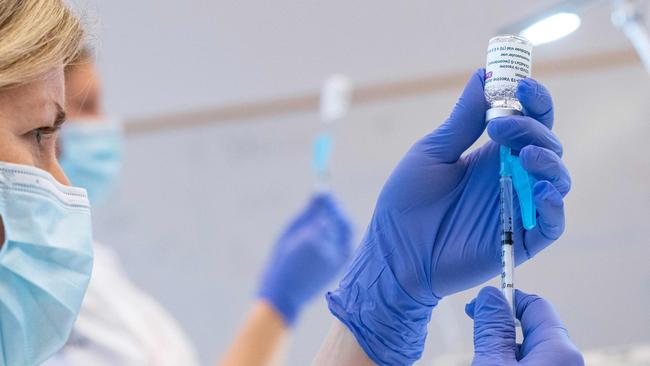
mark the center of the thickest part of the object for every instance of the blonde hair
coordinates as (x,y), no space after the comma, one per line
(36,36)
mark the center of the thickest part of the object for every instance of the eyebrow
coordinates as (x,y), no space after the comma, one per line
(60,115)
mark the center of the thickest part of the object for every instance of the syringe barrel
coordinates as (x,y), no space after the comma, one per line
(507,244)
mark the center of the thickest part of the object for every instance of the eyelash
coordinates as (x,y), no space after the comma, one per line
(41,132)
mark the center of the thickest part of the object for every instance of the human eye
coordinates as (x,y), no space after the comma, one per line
(45,133)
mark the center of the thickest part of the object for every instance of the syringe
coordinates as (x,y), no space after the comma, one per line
(334,105)
(506,213)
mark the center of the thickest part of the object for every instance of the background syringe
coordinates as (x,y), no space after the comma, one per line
(334,104)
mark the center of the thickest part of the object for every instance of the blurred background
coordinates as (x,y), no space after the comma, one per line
(220,99)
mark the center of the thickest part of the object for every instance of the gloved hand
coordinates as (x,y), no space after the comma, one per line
(435,231)
(309,254)
(546,341)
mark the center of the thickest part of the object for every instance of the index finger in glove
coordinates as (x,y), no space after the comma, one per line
(516,132)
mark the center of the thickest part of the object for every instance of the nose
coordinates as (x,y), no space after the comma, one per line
(58,174)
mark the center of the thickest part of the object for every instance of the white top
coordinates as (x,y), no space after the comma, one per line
(121,325)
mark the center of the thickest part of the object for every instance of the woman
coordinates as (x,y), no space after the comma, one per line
(46,255)
(132,328)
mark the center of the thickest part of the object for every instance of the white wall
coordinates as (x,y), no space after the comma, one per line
(198,210)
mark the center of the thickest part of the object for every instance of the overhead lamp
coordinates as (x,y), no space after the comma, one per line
(551,28)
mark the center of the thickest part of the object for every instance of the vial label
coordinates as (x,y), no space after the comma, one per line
(507,63)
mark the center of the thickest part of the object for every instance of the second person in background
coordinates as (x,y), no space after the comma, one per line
(120,324)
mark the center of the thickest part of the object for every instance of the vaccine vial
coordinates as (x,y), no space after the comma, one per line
(508,61)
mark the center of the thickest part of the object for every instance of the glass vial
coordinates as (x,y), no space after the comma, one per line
(508,61)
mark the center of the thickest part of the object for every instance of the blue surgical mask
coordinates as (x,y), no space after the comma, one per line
(45,263)
(91,155)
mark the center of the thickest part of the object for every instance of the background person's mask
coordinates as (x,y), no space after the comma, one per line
(91,155)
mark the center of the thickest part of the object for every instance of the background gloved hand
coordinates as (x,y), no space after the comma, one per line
(309,254)
(435,227)
(546,341)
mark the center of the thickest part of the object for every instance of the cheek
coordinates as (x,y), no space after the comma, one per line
(16,150)
(46,157)
(25,151)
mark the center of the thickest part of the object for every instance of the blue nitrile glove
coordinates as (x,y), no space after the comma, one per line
(546,341)
(435,231)
(308,255)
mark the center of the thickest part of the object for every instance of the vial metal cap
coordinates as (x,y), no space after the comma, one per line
(493,113)
(510,38)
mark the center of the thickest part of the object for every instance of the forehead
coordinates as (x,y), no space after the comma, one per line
(34,100)
(49,87)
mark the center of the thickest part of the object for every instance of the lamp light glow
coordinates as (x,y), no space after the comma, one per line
(552,28)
